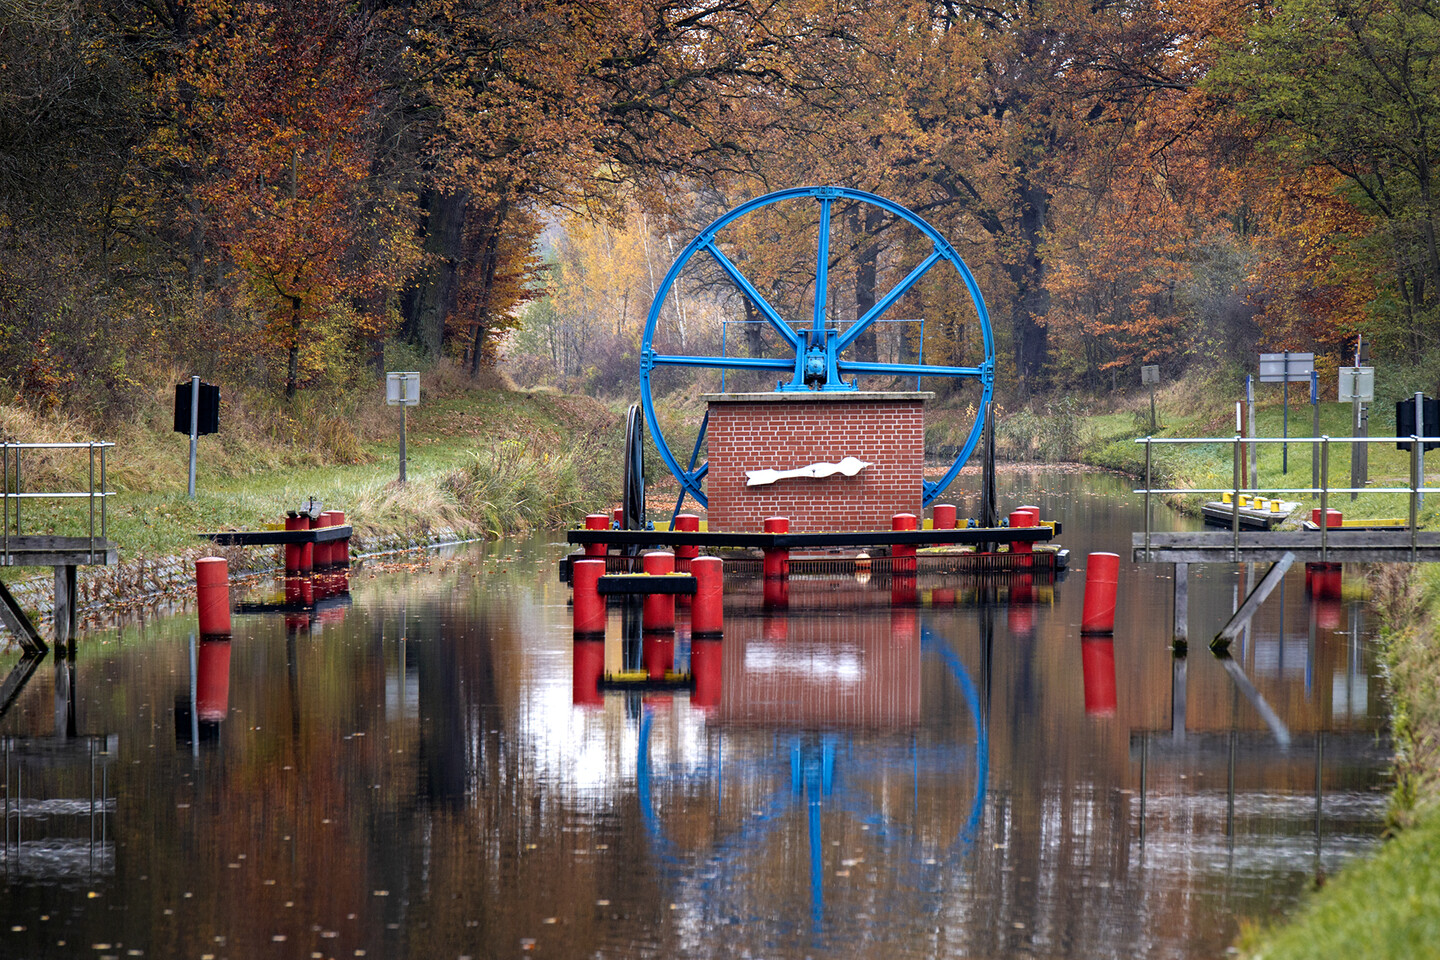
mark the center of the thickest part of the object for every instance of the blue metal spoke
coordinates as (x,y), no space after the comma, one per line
(753,295)
(822,268)
(911,369)
(733,363)
(885,302)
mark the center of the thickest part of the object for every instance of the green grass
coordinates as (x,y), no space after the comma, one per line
(1382,908)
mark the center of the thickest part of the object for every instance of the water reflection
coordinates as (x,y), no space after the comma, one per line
(429,766)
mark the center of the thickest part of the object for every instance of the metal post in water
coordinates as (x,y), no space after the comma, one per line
(1325,499)
(194,428)
(1147,497)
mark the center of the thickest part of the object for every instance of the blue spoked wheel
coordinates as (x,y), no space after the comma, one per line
(816,349)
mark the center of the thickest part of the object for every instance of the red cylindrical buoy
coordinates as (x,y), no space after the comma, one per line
(293,551)
(1097,661)
(1021,518)
(589,667)
(340,549)
(777,560)
(902,555)
(1034,512)
(684,553)
(659,608)
(705,669)
(596,521)
(707,610)
(212,589)
(1102,573)
(589,606)
(212,680)
(619,515)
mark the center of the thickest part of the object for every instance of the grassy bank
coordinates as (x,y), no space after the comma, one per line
(484,461)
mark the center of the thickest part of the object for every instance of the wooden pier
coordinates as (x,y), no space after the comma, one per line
(1336,545)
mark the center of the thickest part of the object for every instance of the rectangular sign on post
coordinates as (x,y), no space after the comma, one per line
(1357,383)
(207,416)
(1149,374)
(1286,367)
(402,389)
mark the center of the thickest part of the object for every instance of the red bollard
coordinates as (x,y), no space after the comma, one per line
(325,552)
(339,549)
(1022,518)
(659,609)
(1097,661)
(619,515)
(1034,512)
(212,589)
(293,551)
(212,680)
(902,555)
(705,669)
(589,606)
(589,667)
(777,560)
(707,610)
(596,521)
(684,553)
(1102,572)
(942,517)
(307,550)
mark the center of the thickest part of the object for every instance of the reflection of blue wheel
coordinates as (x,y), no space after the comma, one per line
(807,772)
(817,358)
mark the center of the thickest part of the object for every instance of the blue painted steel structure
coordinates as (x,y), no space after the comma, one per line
(817,362)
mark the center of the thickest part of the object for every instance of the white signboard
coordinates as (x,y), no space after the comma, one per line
(1282,367)
(402,388)
(1357,383)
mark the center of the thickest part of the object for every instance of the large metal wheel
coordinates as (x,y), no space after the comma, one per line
(815,355)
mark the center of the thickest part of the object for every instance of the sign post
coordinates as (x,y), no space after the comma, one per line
(402,390)
(1282,368)
(1151,375)
(197,412)
(1315,430)
(1357,384)
(1250,419)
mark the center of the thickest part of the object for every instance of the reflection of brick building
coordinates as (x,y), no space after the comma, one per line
(812,670)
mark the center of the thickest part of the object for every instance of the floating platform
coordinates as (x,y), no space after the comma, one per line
(1220,513)
(266,538)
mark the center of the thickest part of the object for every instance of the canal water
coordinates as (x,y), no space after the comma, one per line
(417,762)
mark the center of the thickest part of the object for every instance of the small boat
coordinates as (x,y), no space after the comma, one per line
(1256,513)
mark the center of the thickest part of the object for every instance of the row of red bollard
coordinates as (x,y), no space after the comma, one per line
(305,557)
(707,612)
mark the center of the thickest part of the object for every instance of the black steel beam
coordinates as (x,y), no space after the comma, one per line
(621,583)
(791,541)
(265,538)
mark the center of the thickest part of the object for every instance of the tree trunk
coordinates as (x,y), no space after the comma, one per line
(1032,301)
(428,303)
(292,365)
(489,259)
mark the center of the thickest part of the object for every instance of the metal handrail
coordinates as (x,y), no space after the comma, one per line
(1416,489)
(93,494)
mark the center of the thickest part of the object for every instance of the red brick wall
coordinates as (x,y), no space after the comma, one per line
(759,434)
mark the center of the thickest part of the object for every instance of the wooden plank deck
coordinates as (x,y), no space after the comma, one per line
(1342,546)
(49,551)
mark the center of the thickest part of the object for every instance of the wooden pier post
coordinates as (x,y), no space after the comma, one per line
(1180,637)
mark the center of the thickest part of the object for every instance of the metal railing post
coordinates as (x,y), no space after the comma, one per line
(104,494)
(91,553)
(1147,498)
(17,489)
(1414,492)
(1325,498)
(1235,501)
(5,498)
